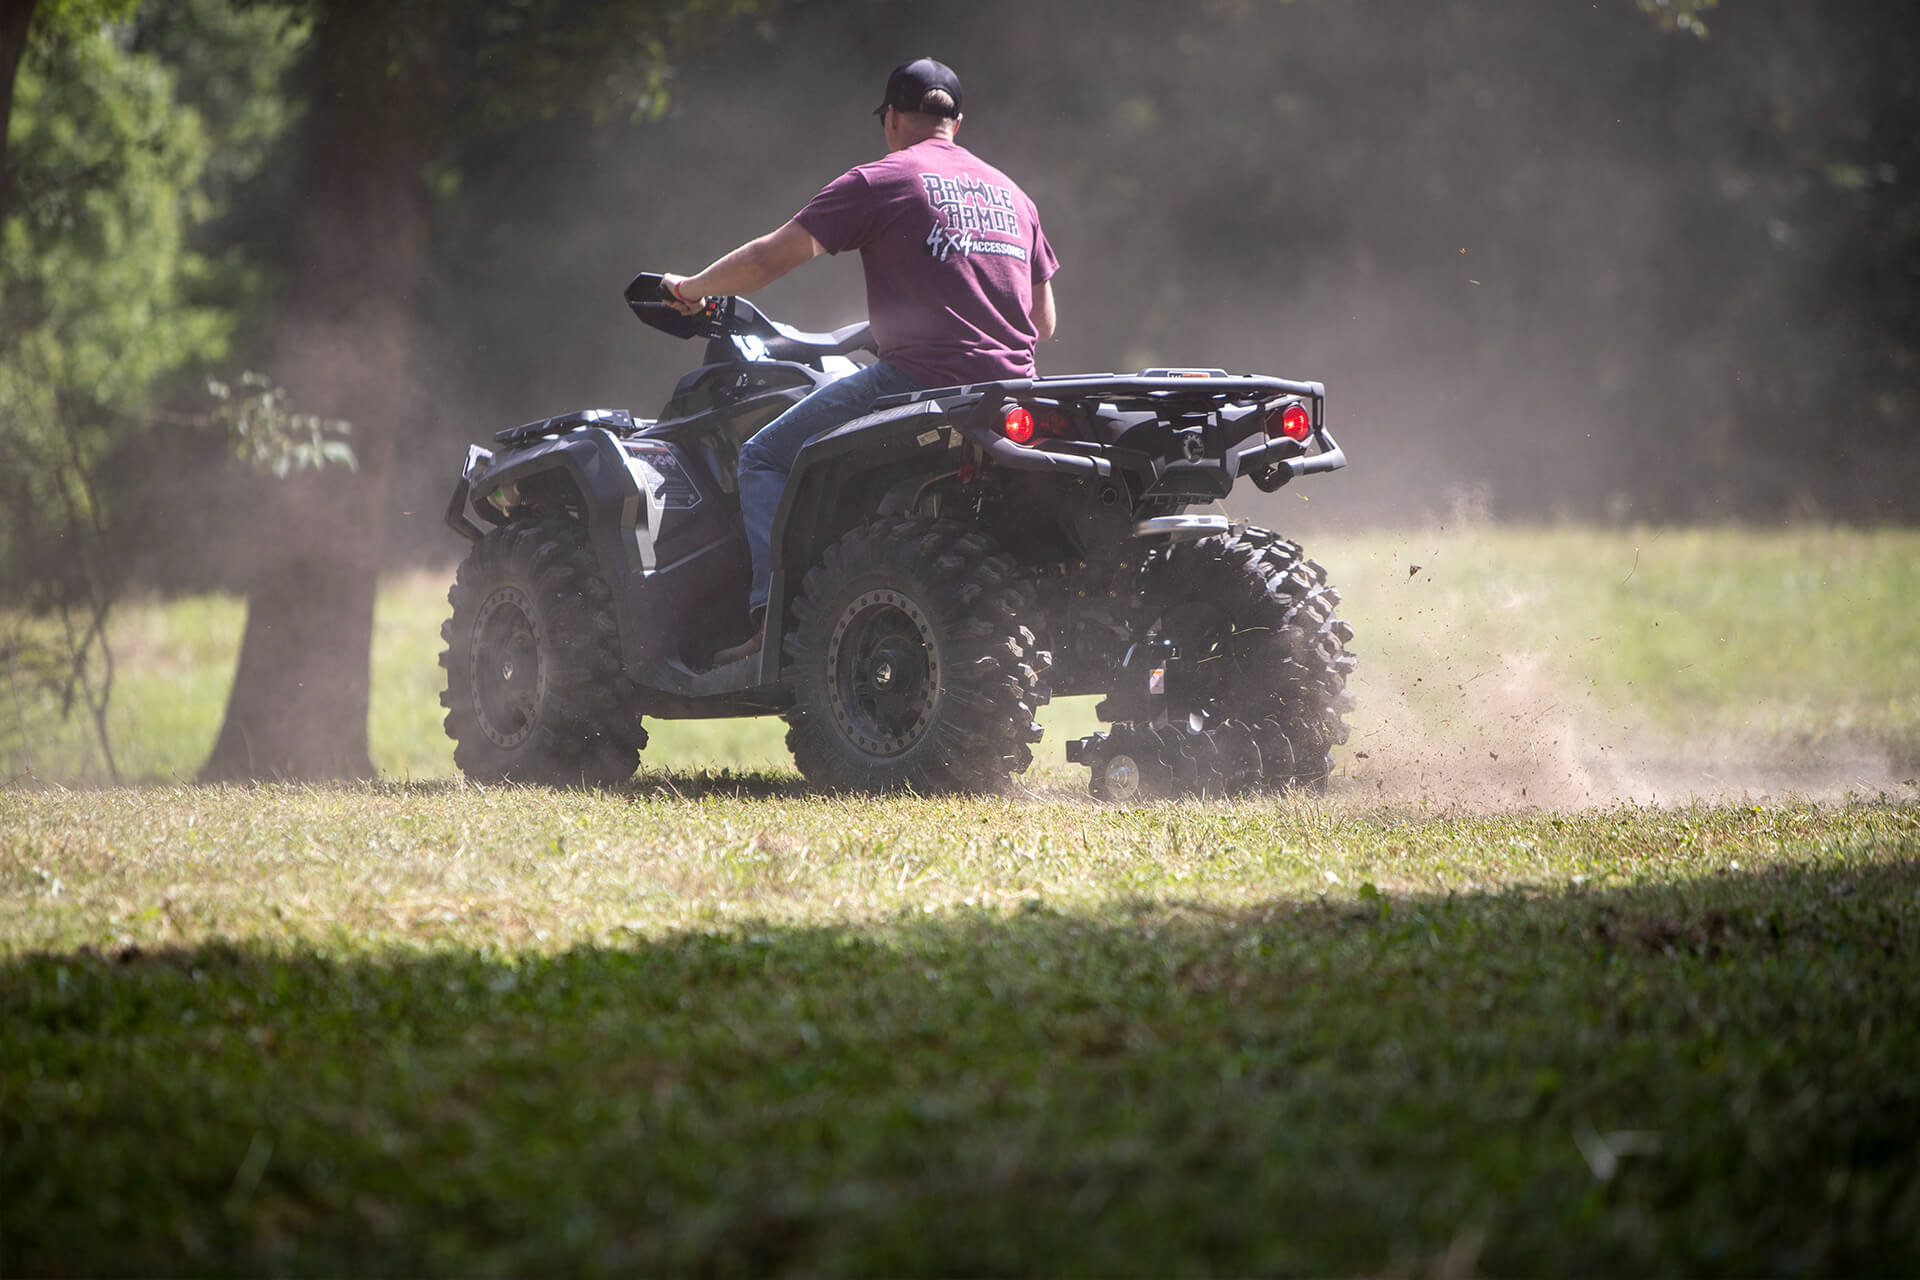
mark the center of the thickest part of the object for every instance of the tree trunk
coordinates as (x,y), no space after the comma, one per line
(299,703)
(16,18)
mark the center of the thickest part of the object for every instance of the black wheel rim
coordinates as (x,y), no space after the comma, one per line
(504,667)
(884,673)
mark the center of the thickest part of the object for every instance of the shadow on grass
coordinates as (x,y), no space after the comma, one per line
(1715,1078)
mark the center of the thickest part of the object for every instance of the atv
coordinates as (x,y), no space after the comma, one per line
(941,567)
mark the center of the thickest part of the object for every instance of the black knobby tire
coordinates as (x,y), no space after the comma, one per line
(534,690)
(914,662)
(1253,620)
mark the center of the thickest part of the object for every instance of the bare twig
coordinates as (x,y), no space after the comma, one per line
(97,706)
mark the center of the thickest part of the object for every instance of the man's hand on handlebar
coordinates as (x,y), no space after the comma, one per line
(676,296)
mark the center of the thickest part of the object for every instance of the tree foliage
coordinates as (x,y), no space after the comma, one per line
(270,436)
(514,60)
(127,141)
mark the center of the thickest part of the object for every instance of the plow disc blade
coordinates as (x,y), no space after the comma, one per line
(1135,762)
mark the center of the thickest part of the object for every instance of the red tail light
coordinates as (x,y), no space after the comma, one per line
(1293,422)
(1019,425)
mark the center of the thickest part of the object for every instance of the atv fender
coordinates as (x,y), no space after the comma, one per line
(587,466)
(597,479)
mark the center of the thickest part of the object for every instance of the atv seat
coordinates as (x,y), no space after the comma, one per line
(796,344)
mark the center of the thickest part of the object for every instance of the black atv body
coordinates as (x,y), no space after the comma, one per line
(941,566)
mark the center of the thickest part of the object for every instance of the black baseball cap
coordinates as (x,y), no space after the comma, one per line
(910,82)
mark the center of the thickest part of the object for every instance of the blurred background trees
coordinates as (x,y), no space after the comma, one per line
(1553,261)
(128,141)
(1648,260)
(396,92)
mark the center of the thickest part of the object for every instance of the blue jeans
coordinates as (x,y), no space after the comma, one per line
(767,459)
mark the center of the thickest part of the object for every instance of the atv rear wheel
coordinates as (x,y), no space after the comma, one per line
(1252,619)
(914,663)
(533,663)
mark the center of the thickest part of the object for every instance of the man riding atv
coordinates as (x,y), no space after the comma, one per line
(958,287)
(941,542)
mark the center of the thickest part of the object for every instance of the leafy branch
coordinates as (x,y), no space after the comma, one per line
(271,436)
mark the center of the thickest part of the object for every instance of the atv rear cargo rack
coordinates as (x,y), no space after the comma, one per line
(1156,390)
(1122,387)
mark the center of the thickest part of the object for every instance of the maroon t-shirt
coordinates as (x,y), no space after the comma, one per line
(953,252)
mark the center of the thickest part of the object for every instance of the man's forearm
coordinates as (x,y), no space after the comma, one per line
(754,265)
(744,270)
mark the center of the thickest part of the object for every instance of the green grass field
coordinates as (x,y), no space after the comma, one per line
(1509,659)
(1598,957)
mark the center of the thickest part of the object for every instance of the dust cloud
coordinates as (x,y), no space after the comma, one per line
(1520,735)
(1550,251)
(1480,695)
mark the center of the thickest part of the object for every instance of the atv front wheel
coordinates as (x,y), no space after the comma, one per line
(1252,619)
(915,665)
(533,663)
